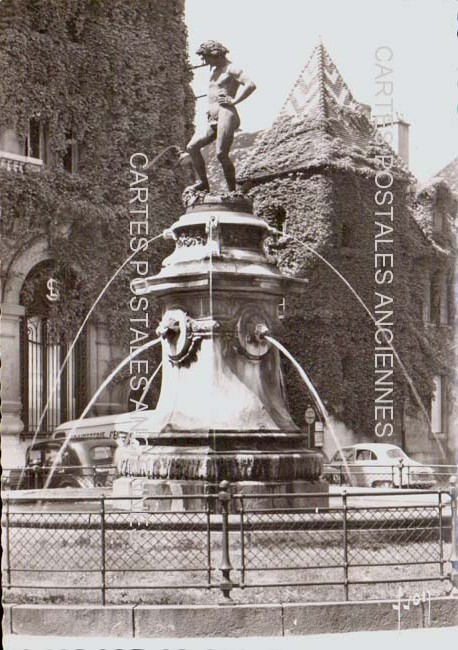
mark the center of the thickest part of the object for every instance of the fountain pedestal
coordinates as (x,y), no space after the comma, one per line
(221,414)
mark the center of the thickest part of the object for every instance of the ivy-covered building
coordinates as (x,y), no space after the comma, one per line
(85,85)
(338,195)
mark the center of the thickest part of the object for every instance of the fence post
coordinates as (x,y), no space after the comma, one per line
(441,533)
(401,465)
(36,470)
(454,524)
(7,544)
(242,542)
(345,542)
(102,547)
(208,537)
(225,567)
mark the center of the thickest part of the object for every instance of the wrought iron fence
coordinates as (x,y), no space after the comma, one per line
(230,542)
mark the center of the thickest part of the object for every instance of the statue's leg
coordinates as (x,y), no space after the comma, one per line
(228,123)
(194,147)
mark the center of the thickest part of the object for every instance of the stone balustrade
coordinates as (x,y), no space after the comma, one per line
(16,163)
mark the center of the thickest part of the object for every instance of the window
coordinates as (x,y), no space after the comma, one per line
(448,310)
(102,453)
(439,406)
(441,301)
(71,157)
(365,454)
(34,457)
(36,142)
(425,303)
(42,357)
(395,453)
(50,455)
(275,215)
(435,298)
(281,309)
(279,218)
(347,454)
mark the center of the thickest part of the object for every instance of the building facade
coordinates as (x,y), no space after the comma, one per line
(85,86)
(375,328)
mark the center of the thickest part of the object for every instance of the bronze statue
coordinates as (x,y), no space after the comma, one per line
(229,86)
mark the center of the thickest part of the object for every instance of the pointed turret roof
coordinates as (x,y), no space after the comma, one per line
(319,88)
(320,124)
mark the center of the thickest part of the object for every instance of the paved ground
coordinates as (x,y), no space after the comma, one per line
(418,639)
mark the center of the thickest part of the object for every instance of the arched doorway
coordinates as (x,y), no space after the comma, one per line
(42,353)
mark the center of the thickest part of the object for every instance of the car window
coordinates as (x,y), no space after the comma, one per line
(102,452)
(336,458)
(34,456)
(348,454)
(395,453)
(365,454)
(50,455)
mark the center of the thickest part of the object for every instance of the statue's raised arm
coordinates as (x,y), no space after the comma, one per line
(228,87)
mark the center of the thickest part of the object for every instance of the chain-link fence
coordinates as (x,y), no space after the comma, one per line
(346,542)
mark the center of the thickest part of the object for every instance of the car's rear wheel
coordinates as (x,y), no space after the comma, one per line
(66,484)
(382,484)
(79,482)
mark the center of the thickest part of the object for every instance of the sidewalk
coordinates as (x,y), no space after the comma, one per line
(394,640)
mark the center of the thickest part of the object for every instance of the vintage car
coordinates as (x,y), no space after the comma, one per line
(377,465)
(85,461)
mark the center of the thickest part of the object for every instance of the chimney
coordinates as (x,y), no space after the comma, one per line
(367,110)
(399,130)
(401,138)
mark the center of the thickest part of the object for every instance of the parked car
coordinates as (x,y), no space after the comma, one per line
(377,465)
(85,461)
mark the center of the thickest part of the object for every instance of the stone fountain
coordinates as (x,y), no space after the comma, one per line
(221,413)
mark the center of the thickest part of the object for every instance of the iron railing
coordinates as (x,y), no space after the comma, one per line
(400,474)
(352,541)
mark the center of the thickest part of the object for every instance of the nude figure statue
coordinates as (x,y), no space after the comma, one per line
(229,86)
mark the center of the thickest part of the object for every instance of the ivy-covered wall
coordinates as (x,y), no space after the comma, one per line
(109,74)
(326,329)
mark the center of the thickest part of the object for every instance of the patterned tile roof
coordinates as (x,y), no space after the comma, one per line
(318,83)
(320,124)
